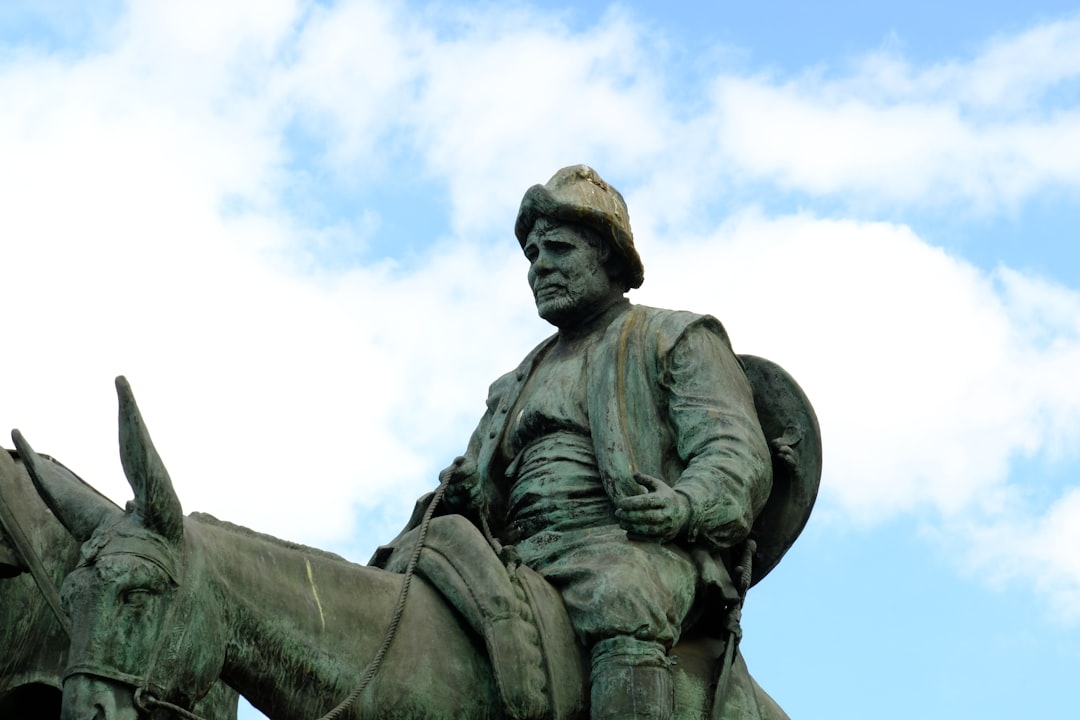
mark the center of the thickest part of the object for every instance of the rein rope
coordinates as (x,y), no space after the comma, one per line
(399,609)
(145,702)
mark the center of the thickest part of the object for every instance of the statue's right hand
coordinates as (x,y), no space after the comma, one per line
(462,484)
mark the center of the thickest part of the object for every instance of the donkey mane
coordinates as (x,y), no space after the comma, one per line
(208,519)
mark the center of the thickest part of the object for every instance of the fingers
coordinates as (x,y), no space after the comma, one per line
(648,527)
(462,484)
(656,515)
(657,494)
(459,470)
(650,501)
(454,469)
(463,495)
(648,521)
(787,454)
(648,482)
(640,522)
(646,514)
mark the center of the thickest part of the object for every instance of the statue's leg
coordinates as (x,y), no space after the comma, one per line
(631,680)
(627,602)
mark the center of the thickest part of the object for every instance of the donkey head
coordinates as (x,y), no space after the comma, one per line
(140,629)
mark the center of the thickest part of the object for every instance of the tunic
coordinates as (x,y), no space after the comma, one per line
(563,522)
(658,392)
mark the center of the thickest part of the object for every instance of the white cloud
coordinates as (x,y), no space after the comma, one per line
(257,378)
(506,100)
(1032,549)
(1013,72)
(988,130)
(349,73)
(913,152)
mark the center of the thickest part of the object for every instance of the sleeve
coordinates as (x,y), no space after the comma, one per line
(728,467)
(492,501)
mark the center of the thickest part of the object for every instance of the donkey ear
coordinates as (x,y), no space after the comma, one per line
(155,499)
(77,506)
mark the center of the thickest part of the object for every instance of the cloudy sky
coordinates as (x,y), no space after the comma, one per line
(289,224)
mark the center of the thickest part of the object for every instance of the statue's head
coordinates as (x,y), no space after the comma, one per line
(578,196)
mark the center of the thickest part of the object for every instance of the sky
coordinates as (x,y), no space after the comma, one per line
(290,225)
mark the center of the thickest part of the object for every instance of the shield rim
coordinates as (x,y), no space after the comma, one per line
(783,407)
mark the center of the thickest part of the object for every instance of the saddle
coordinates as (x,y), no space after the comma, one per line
(520,618)
(540,669)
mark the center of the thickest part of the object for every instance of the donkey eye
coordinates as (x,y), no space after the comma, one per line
(137,596)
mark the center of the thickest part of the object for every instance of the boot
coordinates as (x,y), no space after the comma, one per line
(631,680)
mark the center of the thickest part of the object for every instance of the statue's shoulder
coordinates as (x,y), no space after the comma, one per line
(669,326)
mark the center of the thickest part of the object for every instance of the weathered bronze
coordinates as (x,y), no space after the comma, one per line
(630,481)
(625,461)
(164,605)
(35,646)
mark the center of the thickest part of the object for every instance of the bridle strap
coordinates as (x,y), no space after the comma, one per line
(149,687)
(93,670)
(26,551)
(179,608)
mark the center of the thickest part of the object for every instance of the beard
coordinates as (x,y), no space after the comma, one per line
(558,306)
(570,304)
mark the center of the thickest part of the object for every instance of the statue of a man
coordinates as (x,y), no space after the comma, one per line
(623,458)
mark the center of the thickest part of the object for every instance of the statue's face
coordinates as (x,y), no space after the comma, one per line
(567,275)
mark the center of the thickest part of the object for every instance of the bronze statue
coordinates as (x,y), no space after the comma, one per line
(35,645)
(623,460)
(631,479)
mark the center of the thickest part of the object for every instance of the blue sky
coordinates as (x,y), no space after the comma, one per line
(290,225)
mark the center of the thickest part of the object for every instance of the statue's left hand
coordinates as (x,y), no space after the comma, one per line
(659,514)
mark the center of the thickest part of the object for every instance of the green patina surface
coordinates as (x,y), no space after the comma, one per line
(628,483)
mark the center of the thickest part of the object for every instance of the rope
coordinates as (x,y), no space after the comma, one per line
(391,630)
(144,701)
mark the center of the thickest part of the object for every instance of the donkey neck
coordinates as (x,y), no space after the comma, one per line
(300,624)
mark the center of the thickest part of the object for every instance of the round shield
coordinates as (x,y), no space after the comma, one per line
(794,437)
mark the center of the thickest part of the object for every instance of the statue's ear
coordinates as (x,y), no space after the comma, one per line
(155,499)
(78,507)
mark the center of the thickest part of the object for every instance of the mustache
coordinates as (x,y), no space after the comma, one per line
(548,287)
